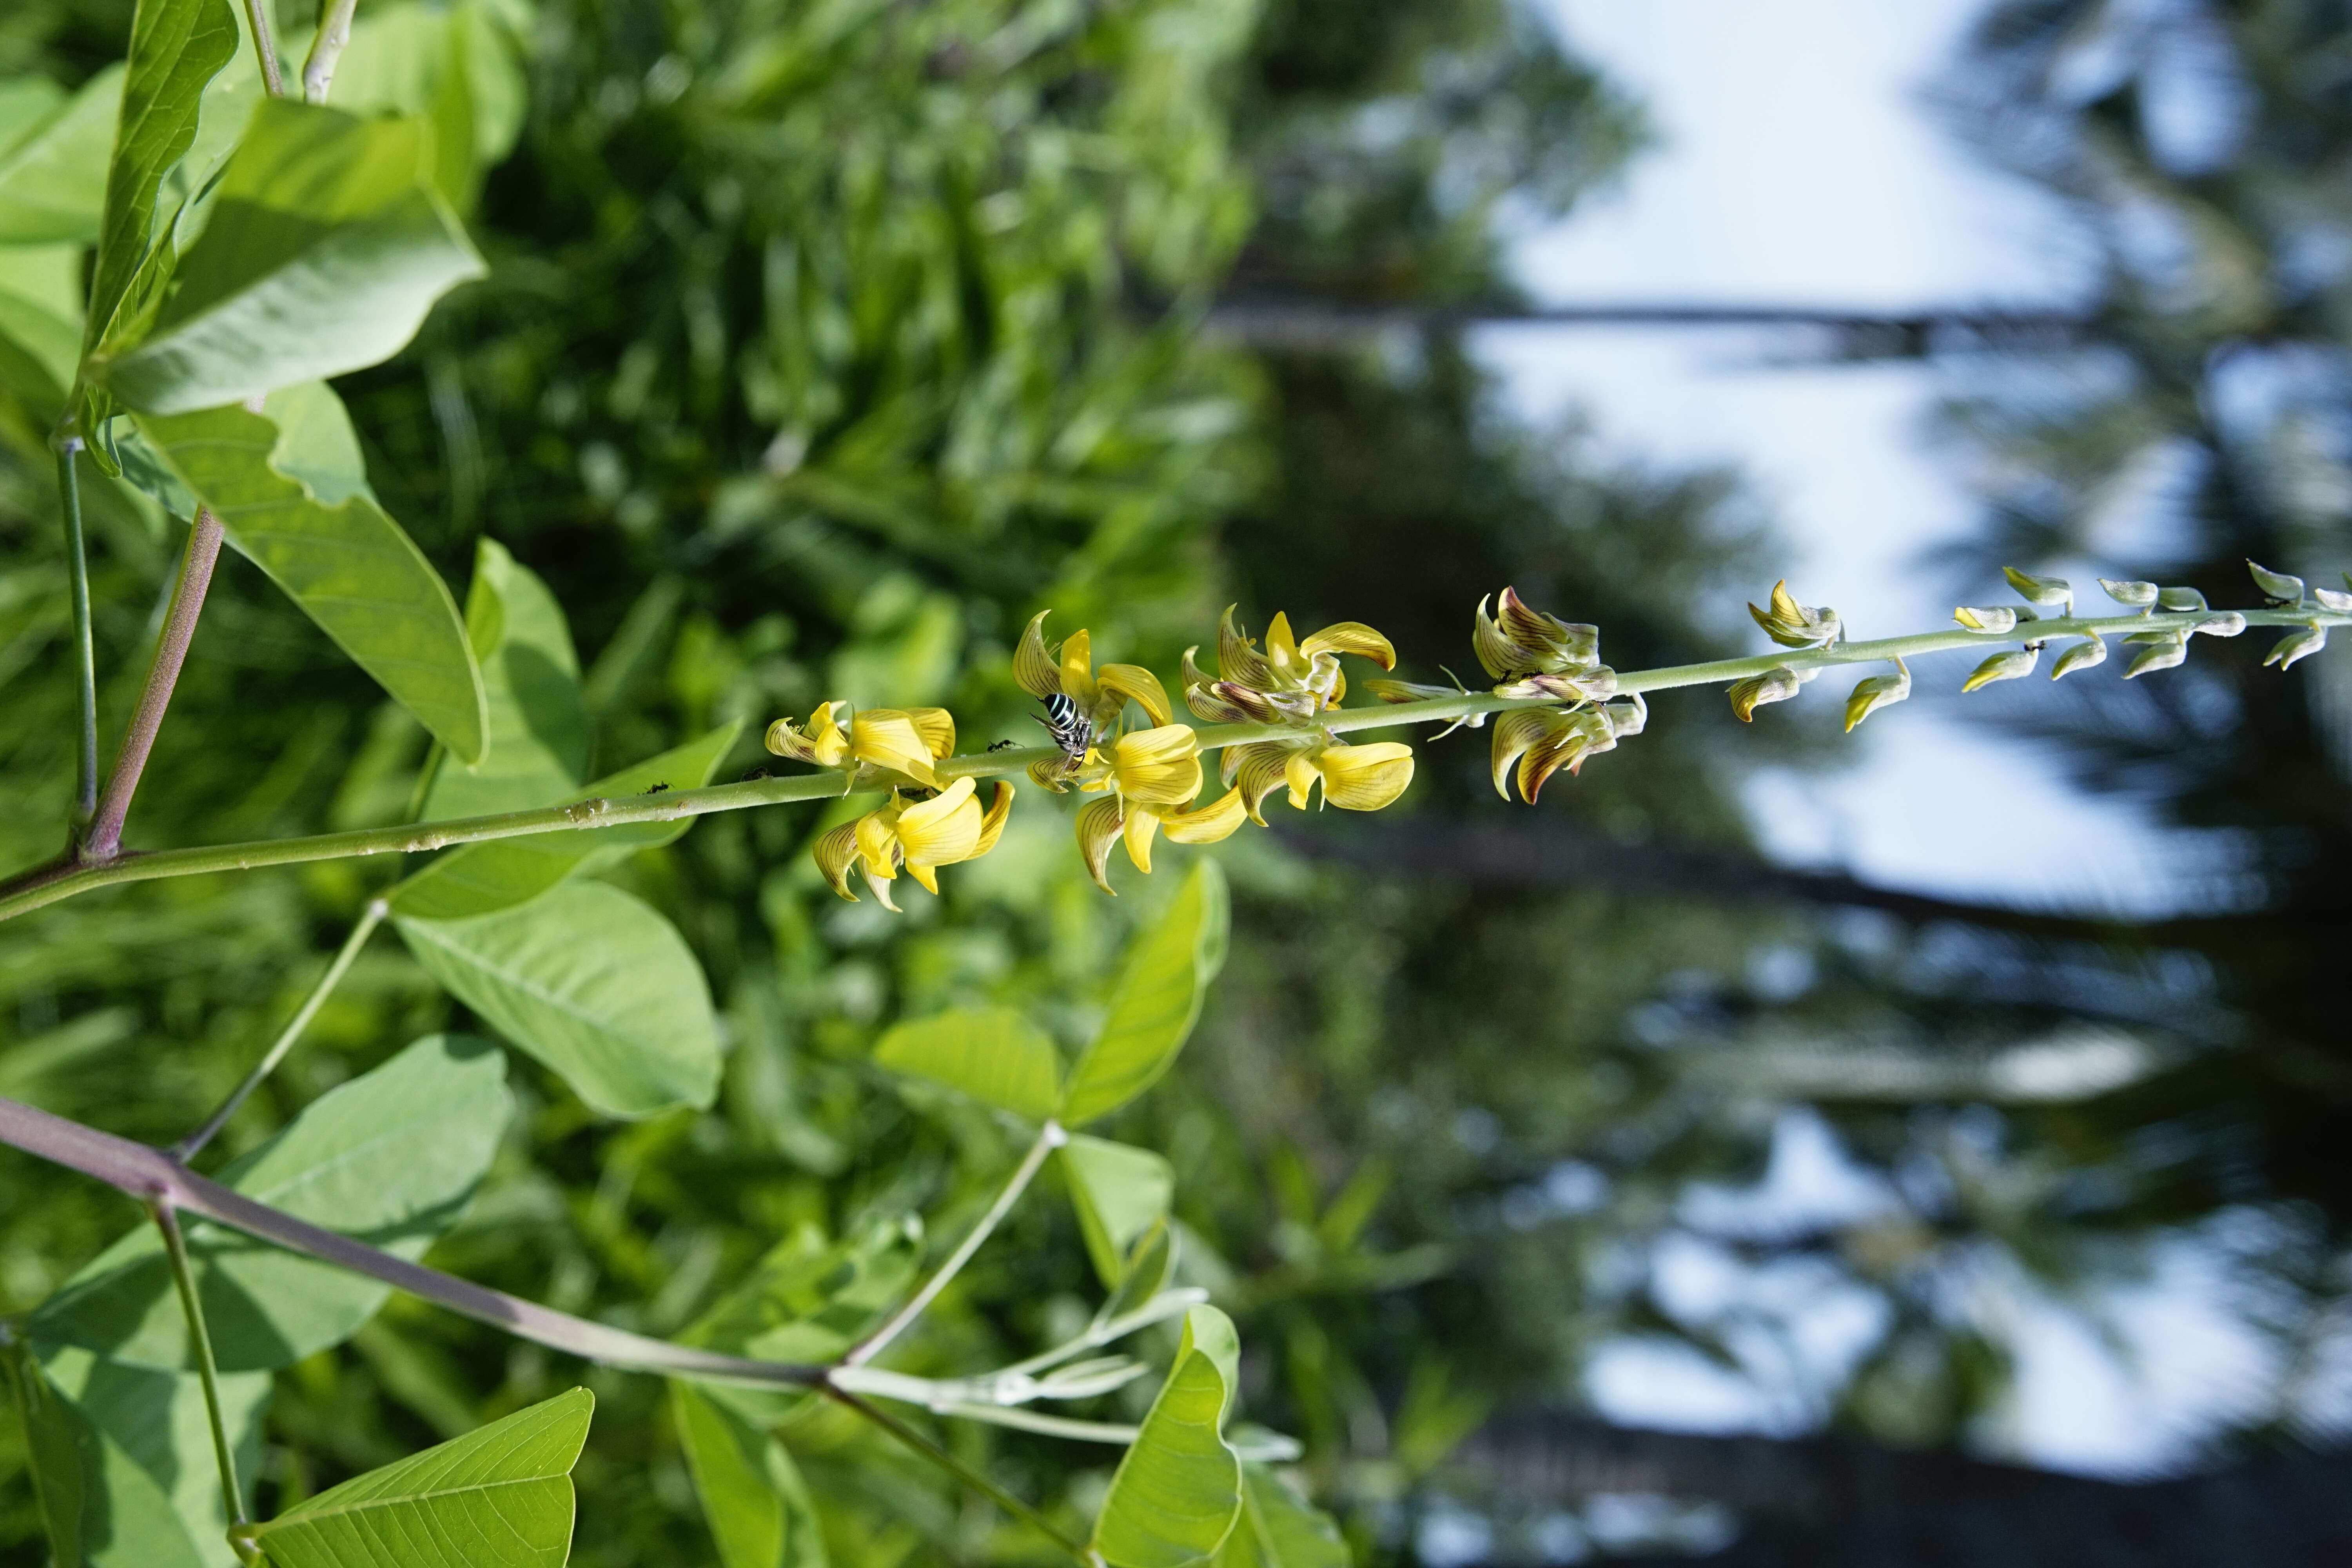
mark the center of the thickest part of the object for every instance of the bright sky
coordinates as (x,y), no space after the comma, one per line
(1797,166)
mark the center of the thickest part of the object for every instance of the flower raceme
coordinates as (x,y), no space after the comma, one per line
(1555,706)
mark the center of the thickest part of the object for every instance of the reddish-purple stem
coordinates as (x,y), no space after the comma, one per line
(104,840)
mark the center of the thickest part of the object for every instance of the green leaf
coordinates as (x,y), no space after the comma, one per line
(176,46)
(759,1509)
(37,349)
(476,878)
(1119,1193)
(331,549)
(458,64)
(53,169)
(537,720)
(807,1300)
(390,1157)
(157,1419)
(1178,1490)
(1149,1264)
(1279,1528)
(992,1054)
(593,983)
(52,1439)
(326,247)
(1157,1000)
(498,1497)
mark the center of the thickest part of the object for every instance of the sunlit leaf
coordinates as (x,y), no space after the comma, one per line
(593,983)
(1278,1529)
(1157,1002)
(53,165)
(455,64)
(327,245)
(1119,1193)
(1178,1490)
(530,678)
(498,1498)
(331,549)
(176,46)
(476,878)
(390,1157)
(759,1509)
(992,1054)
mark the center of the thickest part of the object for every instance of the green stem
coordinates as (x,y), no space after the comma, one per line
(264,47)
(85,651)
(186,1148)
(970,1476)
(49,884)
(183,1279)
(326,48)
(1050,1137)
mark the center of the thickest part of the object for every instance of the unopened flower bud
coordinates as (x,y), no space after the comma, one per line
(2177,601)
(1627,719)
(2228,624)
(1792,625)
(2040,590)
(2276,586)
(2163,652)
(2132,596)
(2297,644)
(1773,686)
(1997,621)
(1878,691)
(2014,665)
(2333,599)
(2081,656)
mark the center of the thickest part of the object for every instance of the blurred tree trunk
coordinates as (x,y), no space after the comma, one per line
(1835,1503)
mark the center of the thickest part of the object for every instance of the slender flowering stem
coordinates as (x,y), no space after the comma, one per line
(183,1279)
(334,32)
(49,884)
(155,1178)
(1050,1137)
(105,839)
(85,651)
(186,1148)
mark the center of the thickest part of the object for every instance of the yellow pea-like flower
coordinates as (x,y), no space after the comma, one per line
(823,741)
(920,836)
(904,740)
(1069,671)
(1354,778)
(1105,822)
(1158,768)
(1294,677)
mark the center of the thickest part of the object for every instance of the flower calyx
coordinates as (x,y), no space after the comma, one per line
(1792,625)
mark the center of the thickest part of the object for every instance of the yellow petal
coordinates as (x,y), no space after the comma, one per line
(1098,825)
(1158,767)
(1352,636)
(1498,654)
(941,831)
(1365,778)
(925,875)
(1202,699)
(1237,660)
(935,728)
(1516,733)
(835,852)
(1138,829)
(991,827)
(1259,774)
(1210,823)
(826,734)
(1300,774)
(1122,681)
(821,742)
(1032,666)
(1559,750)
(1077,673)
(877,844)
(881,887)
(888,739)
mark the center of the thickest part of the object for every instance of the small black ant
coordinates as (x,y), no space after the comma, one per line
(1002,746)
(754,774)
(657,789)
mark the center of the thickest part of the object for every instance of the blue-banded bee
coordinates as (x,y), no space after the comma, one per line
(1070,728)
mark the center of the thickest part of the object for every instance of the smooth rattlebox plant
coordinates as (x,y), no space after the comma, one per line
(246,246)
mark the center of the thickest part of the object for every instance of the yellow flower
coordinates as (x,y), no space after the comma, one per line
(1882,691)
(1158,768)
(1518,641)
(1542,740)
(922,836)
(1290,680)
(1069,671)
(1772,686)
(1792,625)
(904,740)
(1104,822)
(1354,778)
